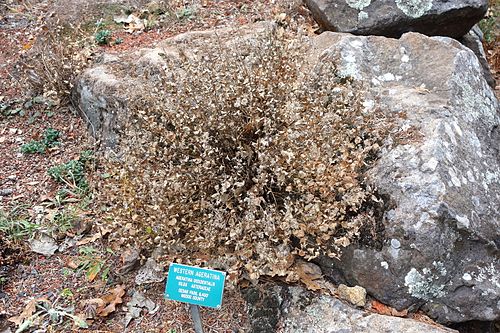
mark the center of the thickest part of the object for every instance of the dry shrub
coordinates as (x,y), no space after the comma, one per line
(249,156)
(57,55)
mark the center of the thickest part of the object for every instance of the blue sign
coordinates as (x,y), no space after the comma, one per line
(194,285)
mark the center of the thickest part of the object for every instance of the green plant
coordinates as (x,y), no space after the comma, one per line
(66,271)
(33,147)
(92,264)
(185,13)
(72,173)
(490,25)
(50,137)
(86,156)
(63,220)
(39,309)
(16,225)
(7,108)
(103,37)
(100,24)
(118,41)
(66,293)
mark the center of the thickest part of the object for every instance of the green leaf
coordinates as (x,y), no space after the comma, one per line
(93,270)
(24,326)
(80,322)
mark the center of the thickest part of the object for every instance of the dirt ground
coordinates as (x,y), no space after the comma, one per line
(86,276)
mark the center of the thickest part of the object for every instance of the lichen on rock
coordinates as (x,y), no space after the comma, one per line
(414,8)
(423,285)
(358,4)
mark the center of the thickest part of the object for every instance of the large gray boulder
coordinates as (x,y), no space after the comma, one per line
(392,18)
(440,174)
(437,246)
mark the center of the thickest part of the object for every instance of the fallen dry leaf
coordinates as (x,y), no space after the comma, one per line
(71,264)
(308,273)
(113,298)
(92,239)
(93,271)
(28,311)
(383,309)
(96,301)
(90,307)
(130,260)
(423,318)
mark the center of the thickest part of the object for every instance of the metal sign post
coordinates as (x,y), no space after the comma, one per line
(195,314)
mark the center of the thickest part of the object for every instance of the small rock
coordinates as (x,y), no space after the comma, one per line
(67,243)
(151,272)
(6,192)
(81,226)
(44,245)
(395,243)
(135,306)
(354,295)
(158,252)
(130,260)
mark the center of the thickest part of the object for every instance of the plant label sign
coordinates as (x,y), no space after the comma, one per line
(194,285)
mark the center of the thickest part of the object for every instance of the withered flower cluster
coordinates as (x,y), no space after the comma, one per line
(248,154)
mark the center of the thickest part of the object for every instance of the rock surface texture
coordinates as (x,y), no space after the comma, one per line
(474,41)
(392,18)
(439,170)
(442,176)
(295,310)
(303,313)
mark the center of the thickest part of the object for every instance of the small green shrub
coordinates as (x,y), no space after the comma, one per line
(50,137)
(487,26)
(92,263)
(63,220)
(490,25)
(185,13)
(103,37)
(33,147)
(72,173)
(9,108)
(66,293)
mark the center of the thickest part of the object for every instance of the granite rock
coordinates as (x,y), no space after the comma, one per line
(392,18)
